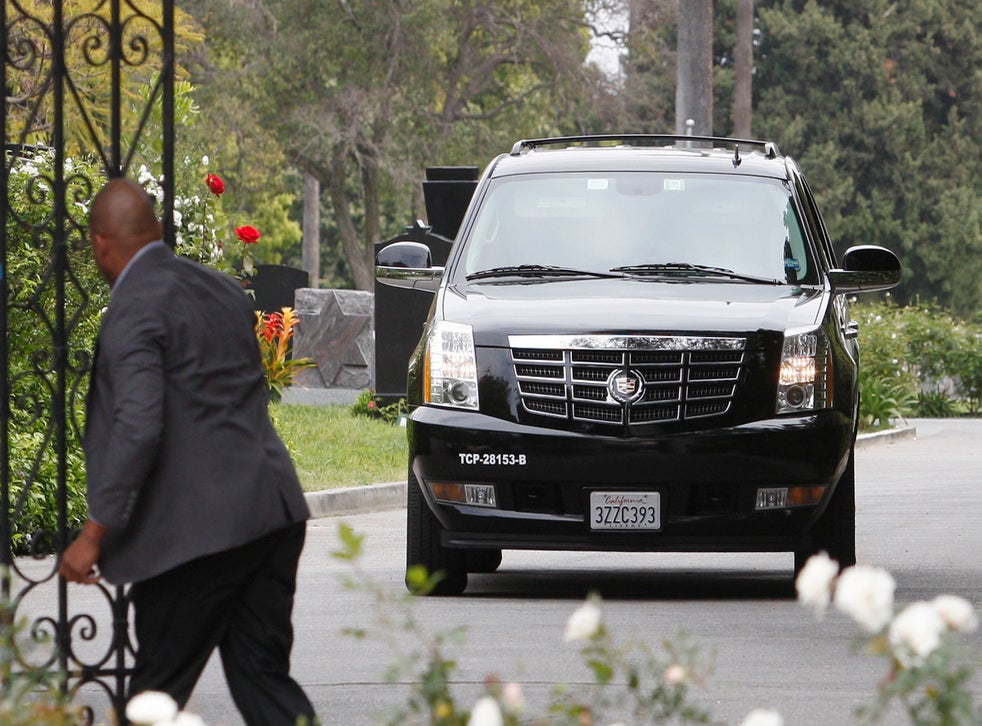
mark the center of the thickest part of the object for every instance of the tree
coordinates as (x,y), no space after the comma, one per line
(881,106)
(363,95)
(29,108)
(647,99)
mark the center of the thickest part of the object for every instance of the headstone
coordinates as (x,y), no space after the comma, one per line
(337,331)
(273,286)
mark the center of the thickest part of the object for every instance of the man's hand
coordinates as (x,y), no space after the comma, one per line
(78,561)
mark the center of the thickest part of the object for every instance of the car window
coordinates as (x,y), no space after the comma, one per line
(604,220)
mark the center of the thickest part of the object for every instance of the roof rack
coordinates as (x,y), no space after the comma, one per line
(768,147)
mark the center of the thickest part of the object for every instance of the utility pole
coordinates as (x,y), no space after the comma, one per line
(743,57)
(694,76)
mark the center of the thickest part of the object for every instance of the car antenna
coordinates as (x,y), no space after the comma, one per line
(736,155)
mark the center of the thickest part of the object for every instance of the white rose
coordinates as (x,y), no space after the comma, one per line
(675,675)
(916,633)
(763,717)
(957,612)
(513,697)
(814,582)
(866,595)
(584,623)
(486,712)
(151,707)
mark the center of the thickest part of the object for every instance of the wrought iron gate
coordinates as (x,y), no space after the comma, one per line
(88,88)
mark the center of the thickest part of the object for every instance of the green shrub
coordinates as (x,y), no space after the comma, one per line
(917,359)
(935,404)
(883,401)
(368,404)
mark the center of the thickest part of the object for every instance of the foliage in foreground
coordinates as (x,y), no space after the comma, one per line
(29,696)
(927,674)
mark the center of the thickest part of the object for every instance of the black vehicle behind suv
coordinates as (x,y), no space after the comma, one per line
(638,343)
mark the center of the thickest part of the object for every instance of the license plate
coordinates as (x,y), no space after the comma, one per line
(625,510)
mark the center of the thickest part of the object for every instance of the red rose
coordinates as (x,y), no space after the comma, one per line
(247,234)
(216,185)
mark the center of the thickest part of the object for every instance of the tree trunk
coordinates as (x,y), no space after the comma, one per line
(311,249)
(694,75)
(358,258)
(743,69)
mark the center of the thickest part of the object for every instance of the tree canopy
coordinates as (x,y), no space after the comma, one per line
(878,100)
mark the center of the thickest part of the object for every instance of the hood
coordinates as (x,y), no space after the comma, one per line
(628,306)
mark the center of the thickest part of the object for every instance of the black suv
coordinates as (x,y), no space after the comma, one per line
(638,343)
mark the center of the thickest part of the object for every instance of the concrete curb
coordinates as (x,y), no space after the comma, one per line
(890,436)
(354,500)
(377,497)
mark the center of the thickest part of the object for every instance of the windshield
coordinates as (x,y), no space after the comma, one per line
(640,224)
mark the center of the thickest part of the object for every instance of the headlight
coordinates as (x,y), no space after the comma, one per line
(450,375)
(803,380)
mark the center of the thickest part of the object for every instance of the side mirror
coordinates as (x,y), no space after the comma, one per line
(867,268)
(409,265)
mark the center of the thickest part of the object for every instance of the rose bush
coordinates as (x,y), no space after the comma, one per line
(655,686)
(924,674)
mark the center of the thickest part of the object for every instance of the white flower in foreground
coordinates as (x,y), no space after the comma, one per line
(188,719)
(486,712)
(957,612)
(513,696)
(151,707)
(814,582)
(675,675)
(584,623)
(763,717)
(866,595)
(916,633)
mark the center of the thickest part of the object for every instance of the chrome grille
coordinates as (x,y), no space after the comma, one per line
(682,377)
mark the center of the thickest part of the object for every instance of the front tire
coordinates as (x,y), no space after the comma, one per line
(483,561)
(423,546)
(835,531)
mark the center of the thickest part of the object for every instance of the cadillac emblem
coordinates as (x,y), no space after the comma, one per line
(625,386)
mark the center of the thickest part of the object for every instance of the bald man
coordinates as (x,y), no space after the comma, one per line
(192,497)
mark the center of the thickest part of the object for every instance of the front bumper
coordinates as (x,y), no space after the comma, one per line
(707,481)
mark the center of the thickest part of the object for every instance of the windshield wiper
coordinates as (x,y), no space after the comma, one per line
(660,268)
(537,271)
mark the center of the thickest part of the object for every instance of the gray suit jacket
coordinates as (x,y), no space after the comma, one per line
(181,457)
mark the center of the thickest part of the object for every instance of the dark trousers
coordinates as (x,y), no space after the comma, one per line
(239,601)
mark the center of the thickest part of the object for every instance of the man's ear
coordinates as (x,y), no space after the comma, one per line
(99,246)
(102,252)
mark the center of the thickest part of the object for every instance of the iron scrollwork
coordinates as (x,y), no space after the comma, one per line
(69,68)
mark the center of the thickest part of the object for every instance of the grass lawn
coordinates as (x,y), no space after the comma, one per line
(332,448)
